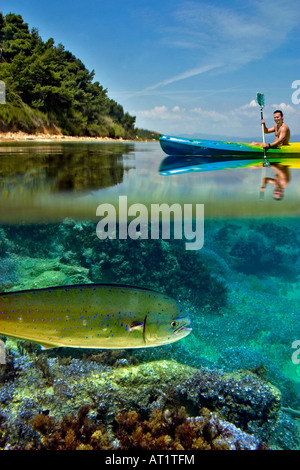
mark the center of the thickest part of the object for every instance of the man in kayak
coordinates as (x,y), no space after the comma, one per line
(282,132)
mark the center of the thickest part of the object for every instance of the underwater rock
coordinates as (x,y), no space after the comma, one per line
(256,248)
(241,358)
(288,438)
(47,272)
(241,398)
(8,274)
(40,240)
(58,387)
(4,244)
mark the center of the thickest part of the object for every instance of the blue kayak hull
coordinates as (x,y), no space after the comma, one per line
(181,146)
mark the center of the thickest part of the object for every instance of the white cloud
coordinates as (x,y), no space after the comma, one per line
(243,121)
(250,105)
(178,113)
(160,113)
(179,120)
(208,114)
(244,33)
(182,76)
(228,38)
(285,108)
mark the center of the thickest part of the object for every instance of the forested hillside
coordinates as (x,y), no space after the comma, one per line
(49,89)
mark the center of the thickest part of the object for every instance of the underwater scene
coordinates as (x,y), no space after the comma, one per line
(124,330)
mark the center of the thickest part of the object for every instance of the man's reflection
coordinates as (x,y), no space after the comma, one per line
(281,180)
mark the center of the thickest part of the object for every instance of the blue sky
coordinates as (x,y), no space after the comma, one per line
(182,67)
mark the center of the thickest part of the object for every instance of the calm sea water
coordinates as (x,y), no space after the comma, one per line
(49,194)
(41,182)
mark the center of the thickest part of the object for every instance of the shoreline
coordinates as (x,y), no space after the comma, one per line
(41,137)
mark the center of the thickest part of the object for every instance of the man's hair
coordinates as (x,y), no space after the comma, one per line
(278,111)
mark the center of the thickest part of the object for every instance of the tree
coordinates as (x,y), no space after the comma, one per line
(52,82)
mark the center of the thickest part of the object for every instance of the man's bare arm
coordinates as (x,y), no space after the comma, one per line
(266,129)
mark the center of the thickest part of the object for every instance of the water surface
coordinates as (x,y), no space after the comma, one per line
(46,182)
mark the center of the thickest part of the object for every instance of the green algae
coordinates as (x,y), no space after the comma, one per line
(46,272)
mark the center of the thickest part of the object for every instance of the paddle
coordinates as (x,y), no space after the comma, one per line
(260,99)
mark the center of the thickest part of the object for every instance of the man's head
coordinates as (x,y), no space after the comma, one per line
(278,194)
(278,116)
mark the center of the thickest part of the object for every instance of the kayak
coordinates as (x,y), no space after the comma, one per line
(182,146)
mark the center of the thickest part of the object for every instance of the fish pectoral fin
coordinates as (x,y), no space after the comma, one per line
(45,346)
(138,325)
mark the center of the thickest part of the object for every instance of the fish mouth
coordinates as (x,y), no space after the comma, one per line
(183,330)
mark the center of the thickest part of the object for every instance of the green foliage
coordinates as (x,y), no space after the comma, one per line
(48,88)
(144,134)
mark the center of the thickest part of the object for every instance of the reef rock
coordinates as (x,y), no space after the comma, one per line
(58,387)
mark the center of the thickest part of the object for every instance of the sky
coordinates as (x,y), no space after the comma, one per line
(183,67)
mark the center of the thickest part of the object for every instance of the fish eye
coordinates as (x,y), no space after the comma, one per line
(174,324)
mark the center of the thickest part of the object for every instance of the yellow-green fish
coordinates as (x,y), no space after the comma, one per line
(93,316)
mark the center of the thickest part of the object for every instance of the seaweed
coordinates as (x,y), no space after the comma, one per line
(162,430)
(174,430)
(71,433)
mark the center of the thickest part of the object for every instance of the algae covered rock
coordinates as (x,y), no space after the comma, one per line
(242,398)
(59,387)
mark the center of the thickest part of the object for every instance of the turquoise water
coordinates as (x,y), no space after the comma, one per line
(241,290)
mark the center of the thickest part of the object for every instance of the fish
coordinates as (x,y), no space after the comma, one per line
(104,316)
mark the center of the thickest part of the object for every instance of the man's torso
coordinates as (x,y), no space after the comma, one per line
(278,133)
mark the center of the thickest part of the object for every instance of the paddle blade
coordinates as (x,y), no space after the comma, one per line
(260,99)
